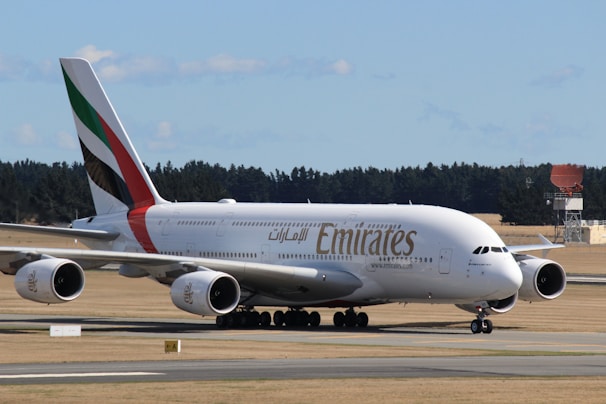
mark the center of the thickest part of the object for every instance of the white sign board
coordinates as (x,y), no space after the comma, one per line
(69,330)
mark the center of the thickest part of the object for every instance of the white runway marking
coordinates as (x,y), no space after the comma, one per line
(60,375)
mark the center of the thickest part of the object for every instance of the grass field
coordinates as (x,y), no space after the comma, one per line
(108,295)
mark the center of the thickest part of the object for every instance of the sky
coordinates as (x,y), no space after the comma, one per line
(327,85)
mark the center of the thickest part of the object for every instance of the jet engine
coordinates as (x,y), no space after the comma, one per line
(206,292)
(543,278)
(492,306)
(50,280)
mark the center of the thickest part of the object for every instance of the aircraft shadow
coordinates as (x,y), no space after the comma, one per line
(93,325)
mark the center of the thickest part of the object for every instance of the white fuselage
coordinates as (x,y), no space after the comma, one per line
(405,253)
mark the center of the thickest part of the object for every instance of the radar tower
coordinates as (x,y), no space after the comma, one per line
(569,200)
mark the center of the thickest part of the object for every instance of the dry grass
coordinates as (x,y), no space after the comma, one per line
(108,295)
(370,390)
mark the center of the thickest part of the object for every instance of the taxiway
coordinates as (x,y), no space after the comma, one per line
(529,353)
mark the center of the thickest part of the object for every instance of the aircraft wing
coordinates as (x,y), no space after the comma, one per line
(60,231)
(546,245)
(279,281)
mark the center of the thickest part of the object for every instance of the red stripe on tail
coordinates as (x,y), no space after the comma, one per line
(138,188)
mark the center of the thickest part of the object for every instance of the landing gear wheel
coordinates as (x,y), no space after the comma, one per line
(221,322)
(303,318)
(279,318)
(338,319)
(248,318)
(289,318)
(350,319)
(476,326)
(265,319)
(362,319)
(229,321)
(314,319)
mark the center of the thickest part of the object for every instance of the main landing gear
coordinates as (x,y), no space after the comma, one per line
(481,324)
(248,317)
(294,317)
(349,318)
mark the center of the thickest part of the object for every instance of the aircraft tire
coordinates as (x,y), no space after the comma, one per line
(314,319)
(265,319)
(279,318)
(338,319)
(362,319)
(476,326)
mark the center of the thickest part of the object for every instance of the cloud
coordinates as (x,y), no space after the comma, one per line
(558,77)
(16,69)
(66,141)
(341,67)
(432,111)
(144,68)
(165,130)
(11,68)
(546,129)
(26,135)
(310,67)
(490,129)
(222,64)
(384,76)
(163,139)
(543,135)
(94,55)
(113,66)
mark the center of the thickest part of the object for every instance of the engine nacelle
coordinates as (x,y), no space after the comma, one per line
(206,292)
(543,278)
(51,280)
(492,306)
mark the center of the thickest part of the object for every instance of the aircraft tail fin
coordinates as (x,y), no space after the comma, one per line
(117,177)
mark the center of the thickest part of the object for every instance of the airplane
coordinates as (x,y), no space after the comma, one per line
(226,258)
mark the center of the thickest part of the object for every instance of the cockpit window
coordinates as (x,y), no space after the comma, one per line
(485,249)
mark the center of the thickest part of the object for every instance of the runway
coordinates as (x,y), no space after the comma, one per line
(512,341)
(175,370)
(528,353)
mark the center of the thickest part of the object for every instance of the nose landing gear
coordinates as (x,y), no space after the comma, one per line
(481,324)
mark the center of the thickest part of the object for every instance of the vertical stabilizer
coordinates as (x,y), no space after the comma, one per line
(117,177)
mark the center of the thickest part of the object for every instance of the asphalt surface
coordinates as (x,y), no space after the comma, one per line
(532,353)
(500,340)
(167,371)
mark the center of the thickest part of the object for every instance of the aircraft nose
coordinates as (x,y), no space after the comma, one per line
(510,275)
(516,276)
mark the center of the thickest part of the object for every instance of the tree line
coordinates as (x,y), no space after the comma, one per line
(58,193)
